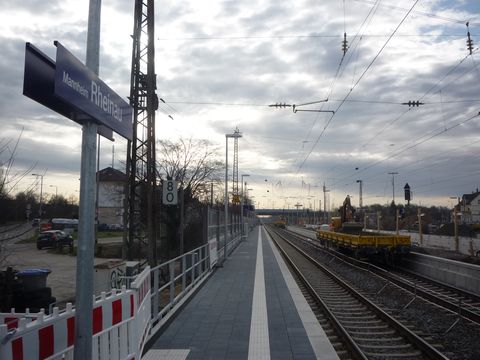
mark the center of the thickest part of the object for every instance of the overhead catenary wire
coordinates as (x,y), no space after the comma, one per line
(423,96)
(403,168)
(429,90)
(435,133)
(356,83)
(336,76)
(310,36)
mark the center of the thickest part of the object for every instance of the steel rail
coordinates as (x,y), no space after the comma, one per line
(426,349)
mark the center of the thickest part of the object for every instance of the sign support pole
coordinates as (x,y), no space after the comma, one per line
(86,226)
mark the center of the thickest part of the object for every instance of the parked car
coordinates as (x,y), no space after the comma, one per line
(110,227)
(54,238)
(326,227)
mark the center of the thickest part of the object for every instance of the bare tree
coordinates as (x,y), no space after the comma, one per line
(8,178)
(193,163)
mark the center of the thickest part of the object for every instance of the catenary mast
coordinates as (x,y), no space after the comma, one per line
(141,172)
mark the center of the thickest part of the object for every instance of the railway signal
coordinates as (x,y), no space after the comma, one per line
(406,188)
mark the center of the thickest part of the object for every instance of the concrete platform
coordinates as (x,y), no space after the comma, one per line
(250,308)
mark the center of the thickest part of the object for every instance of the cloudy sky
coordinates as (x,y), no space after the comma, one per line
(220,64)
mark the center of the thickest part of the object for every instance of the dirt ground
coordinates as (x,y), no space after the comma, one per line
(63,267)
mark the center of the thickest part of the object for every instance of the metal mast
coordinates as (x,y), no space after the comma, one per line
(141,192)
(236,196)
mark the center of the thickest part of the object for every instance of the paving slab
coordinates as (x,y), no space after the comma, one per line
(218,323)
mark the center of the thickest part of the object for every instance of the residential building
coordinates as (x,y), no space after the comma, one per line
(470,208)
(111,195)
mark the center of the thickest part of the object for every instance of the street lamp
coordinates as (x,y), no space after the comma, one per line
(235,135)
(41,194)
(455,222)
(244,233)
(360,202)
(56,189)
(393,173)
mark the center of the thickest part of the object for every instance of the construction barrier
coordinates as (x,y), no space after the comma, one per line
(120,327)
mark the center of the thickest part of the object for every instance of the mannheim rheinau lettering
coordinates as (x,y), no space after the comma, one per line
(96,96)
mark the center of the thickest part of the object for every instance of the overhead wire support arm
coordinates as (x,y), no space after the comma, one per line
(323,111)
(295,107)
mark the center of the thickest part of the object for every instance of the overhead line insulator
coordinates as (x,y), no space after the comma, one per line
(469,40)
(344,44)
(280,105)
(413,103)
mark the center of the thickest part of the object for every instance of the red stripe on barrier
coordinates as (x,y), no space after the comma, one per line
(116,311)
(17,349)
(97,320)
(70,331)
(132,305)
(12,322)
(45,342)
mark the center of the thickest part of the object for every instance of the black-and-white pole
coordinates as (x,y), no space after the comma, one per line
(86,225)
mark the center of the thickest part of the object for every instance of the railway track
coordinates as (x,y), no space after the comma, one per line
(366,330)
(465,304)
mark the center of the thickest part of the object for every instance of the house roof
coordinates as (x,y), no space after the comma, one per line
(111,174)
(467,198)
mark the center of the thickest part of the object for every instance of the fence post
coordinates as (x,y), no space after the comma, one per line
(171,268)
(156,295)
(218,229)
(184,272)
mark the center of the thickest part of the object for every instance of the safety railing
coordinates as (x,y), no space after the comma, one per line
(172,280)
(120,319)
(124,320)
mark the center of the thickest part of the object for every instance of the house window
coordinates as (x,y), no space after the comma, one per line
(478,202)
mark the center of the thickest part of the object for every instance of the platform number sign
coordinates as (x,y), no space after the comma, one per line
(170,192)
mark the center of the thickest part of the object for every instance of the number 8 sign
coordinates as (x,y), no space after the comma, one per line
(170,192)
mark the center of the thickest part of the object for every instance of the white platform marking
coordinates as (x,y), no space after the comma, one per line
(321,345)
(166,354)
(259,345)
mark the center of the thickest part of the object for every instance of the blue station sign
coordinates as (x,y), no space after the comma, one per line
(79,86)
(74,91)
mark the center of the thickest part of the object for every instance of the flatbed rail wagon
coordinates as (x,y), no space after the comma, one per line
(366,244)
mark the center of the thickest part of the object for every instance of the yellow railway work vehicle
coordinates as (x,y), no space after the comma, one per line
(281,223)
(366,244)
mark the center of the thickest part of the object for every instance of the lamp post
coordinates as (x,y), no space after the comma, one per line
(420,233)
(393,173)
(244,233)
(325,216)
(235,135)
(56,189)
(360,202)
(41,194)
(455,222)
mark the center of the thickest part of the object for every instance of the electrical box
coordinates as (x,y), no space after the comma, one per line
(108,275)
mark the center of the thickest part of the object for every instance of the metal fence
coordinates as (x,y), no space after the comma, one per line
(174,279)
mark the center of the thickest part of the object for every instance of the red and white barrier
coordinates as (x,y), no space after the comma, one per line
(121,323)
(12,319)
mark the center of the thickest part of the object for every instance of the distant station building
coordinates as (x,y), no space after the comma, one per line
(470,207)
(111,193)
